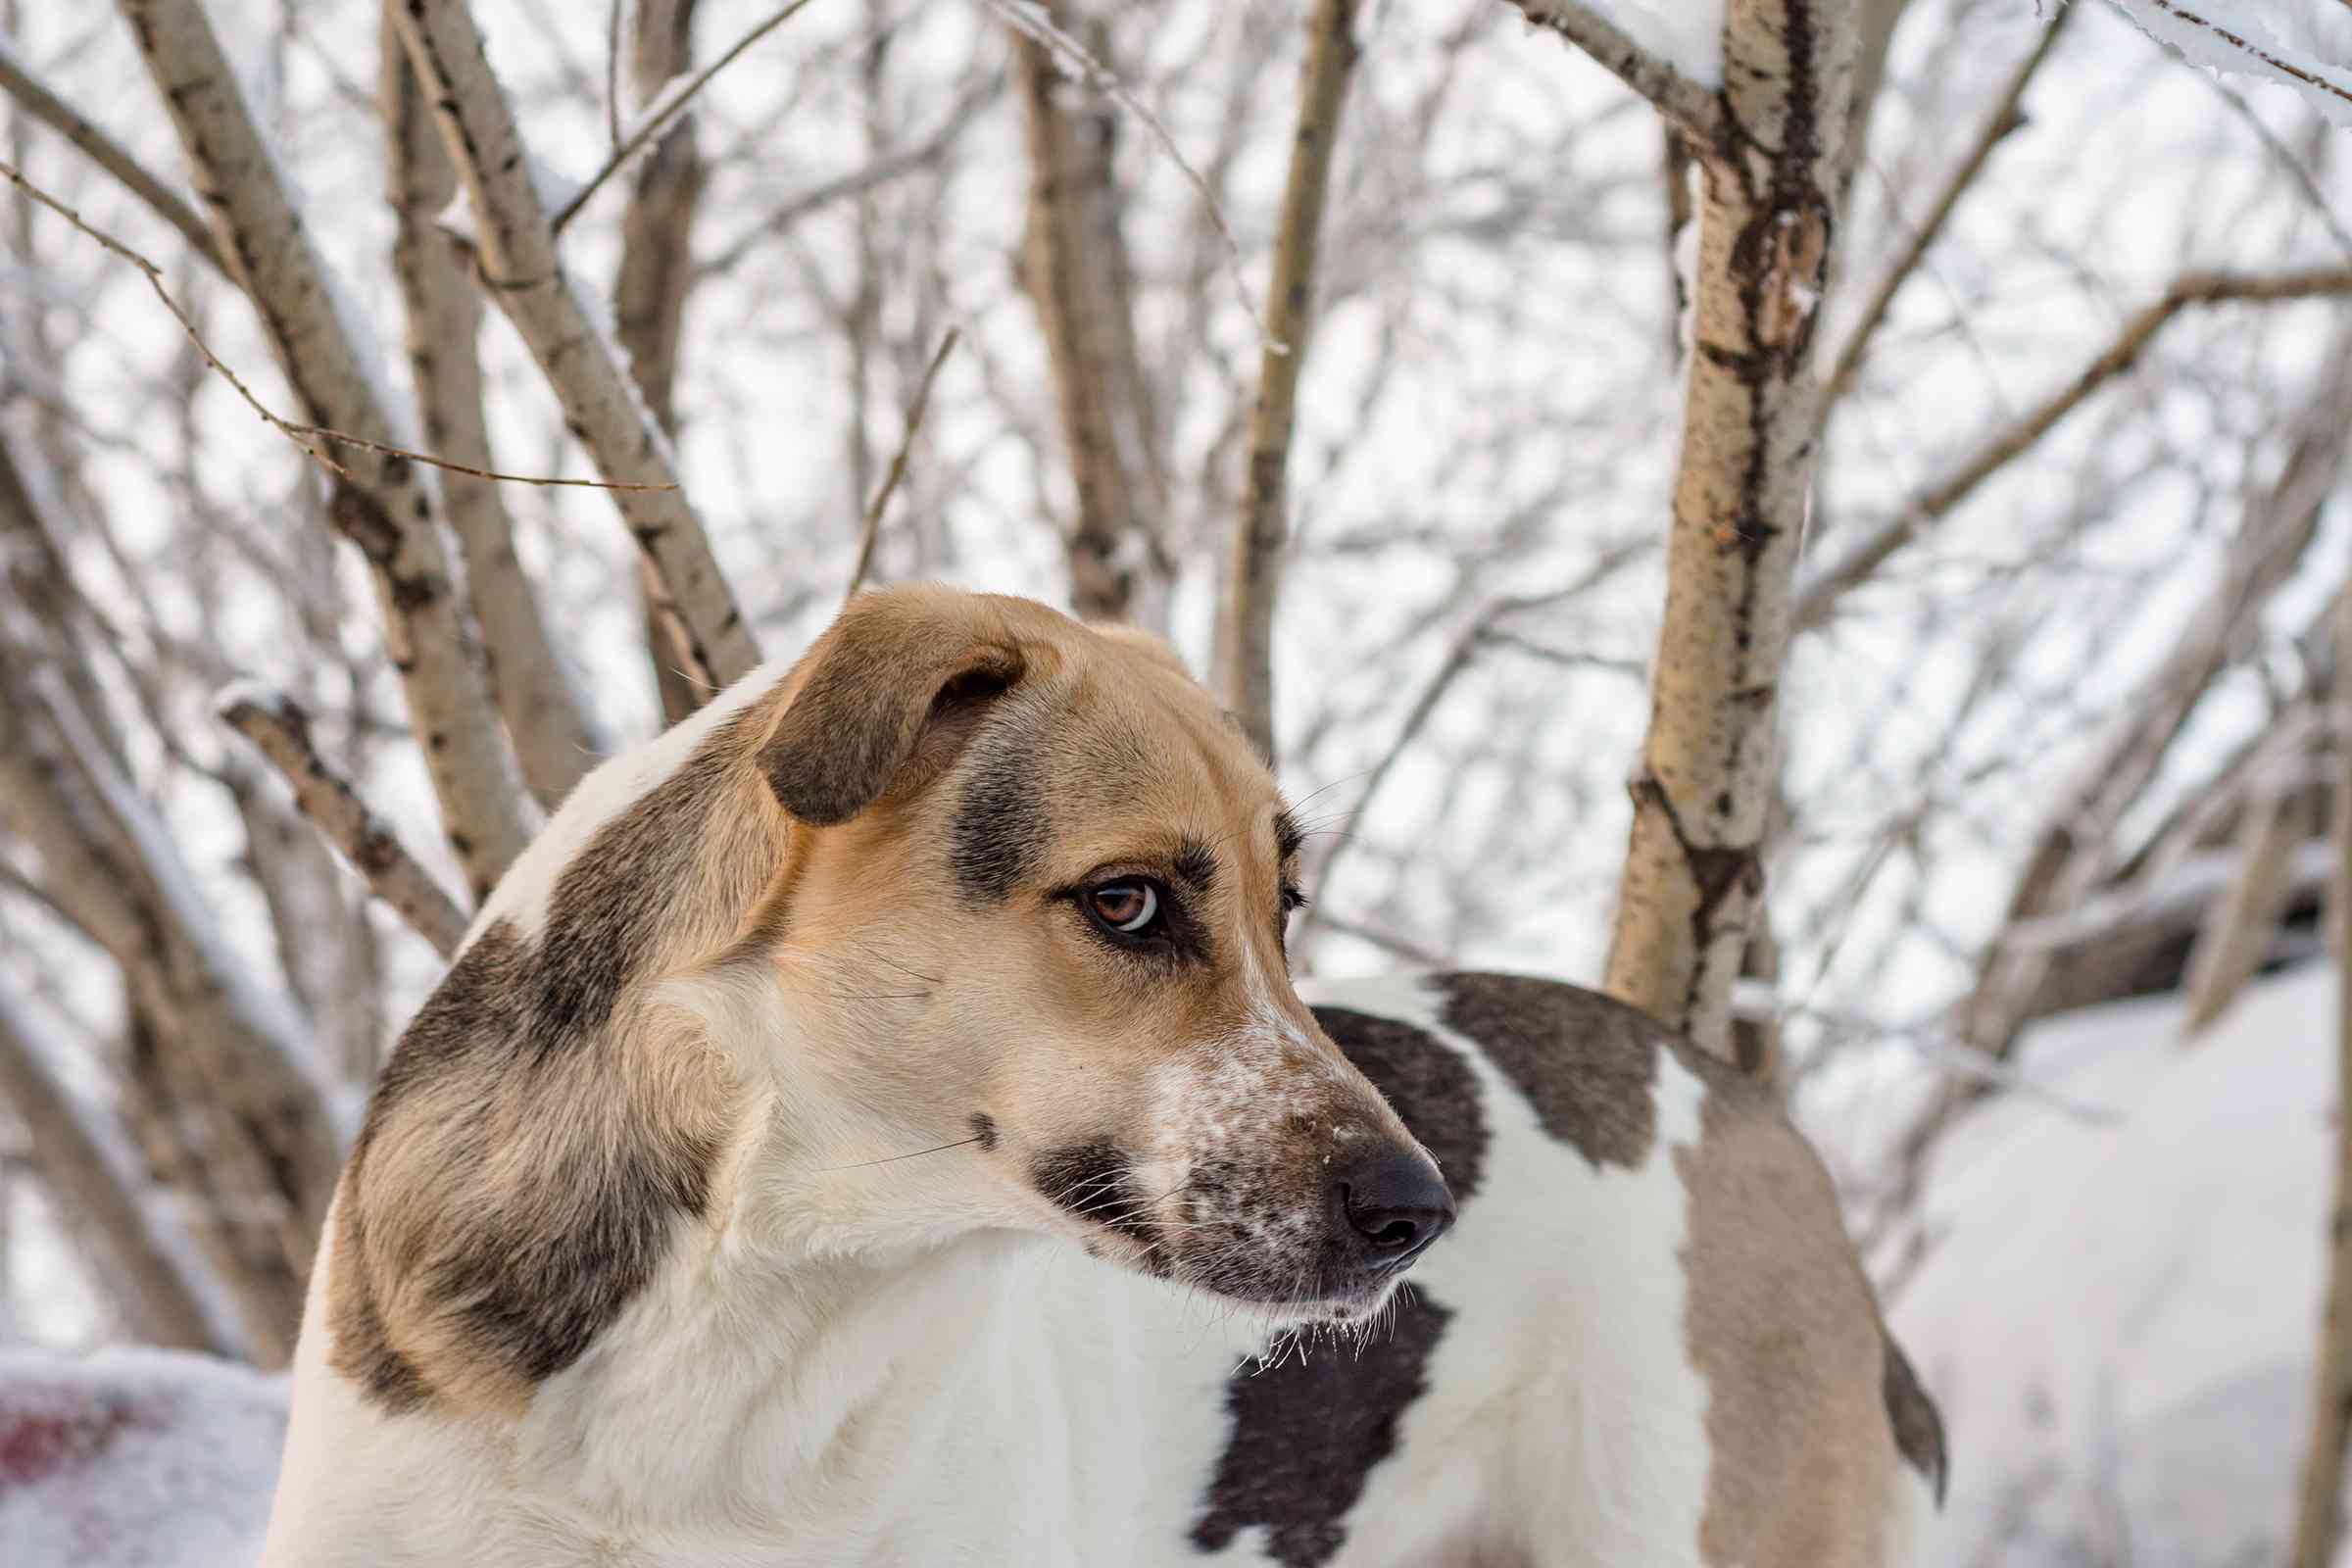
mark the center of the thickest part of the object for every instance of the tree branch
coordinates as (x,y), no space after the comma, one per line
(388,506)
(557,739)
(1819,594)
(516,249)
(1261,533)
(897,464)
(91,1183)
(2003,119)
(17,81)
(280,732)
(1696,109)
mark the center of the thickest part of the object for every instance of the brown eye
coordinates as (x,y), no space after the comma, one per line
(1129,908)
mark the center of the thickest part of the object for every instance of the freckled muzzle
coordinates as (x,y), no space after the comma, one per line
(1309,1228)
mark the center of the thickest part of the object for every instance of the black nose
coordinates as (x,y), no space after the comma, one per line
(1395,1203)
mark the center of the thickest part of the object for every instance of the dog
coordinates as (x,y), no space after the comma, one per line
(873,1124)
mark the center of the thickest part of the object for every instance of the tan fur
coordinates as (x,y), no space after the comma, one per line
(812,841)
(1783,1328)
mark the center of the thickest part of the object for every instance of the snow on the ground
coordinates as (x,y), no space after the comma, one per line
(2118,1318)
(135,1459)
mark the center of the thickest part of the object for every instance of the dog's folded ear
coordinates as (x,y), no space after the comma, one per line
(888,695)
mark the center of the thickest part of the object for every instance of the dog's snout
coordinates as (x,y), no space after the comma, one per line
(1393,1204)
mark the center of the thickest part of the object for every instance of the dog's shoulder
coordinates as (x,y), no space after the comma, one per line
(528,1152)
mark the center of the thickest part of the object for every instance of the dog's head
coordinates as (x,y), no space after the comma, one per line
(1028,952)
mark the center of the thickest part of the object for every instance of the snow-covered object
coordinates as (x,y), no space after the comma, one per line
(2117,1318)
(135,1459)
(2233,38)
(1688,34)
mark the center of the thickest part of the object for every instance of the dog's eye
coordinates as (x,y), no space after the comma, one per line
(1131,908)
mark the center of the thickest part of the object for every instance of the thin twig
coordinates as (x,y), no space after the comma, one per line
(613,74)
(20,83)
(302,436)
(656,124)
(1820,591)
(281,732)
(2253,51)
(1029,19)
(2003,119)
(898,462)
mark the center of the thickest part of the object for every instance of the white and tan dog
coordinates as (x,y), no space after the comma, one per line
(873,1124)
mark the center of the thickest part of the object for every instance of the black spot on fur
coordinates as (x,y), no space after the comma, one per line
(1585,1064)
(998,839)
(1918,1425)
(1427,1085)
(984,1131)
(1092,1181)
(1306,1434)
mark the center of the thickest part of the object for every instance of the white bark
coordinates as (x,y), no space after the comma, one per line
(389,506)
(556,738)
(516,254)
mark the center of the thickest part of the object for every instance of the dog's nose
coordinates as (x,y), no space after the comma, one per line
(1396,1204)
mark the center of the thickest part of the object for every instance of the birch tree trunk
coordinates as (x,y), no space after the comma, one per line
(1768,147)
(1253,573)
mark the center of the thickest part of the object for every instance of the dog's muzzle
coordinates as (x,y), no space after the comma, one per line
(1387,1207)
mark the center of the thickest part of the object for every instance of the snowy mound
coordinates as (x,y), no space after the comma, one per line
(135,1459)
(2118,1318)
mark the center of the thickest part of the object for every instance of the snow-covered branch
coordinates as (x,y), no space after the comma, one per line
(1681,86)
(280,732)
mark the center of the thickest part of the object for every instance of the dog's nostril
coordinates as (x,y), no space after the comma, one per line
(1396,1203)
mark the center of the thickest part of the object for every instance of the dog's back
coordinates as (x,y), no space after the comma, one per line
(1648,1339)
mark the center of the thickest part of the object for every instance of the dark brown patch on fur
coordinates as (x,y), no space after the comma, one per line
(1306,1434)
(1092,1181)
(1918,1424)
(1429,1086)
(1288,836)
(984,1131)
(522,1279)
(1197,863)
(999,836)
(1585,1064)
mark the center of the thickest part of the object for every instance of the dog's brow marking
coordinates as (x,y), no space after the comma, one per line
(1287,835)
(1000,832)
(1197,863)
